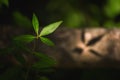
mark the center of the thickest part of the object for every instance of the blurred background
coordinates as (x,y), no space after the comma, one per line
(74,13)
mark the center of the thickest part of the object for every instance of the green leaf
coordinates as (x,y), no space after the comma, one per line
(50,28)
(47,41)
(25,38)
(35,23)
(44,61)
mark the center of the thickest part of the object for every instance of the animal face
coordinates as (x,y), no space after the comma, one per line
(86,46)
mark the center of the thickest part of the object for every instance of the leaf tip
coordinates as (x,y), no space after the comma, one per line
(35,23)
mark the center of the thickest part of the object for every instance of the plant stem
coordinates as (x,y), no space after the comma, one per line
(34,46)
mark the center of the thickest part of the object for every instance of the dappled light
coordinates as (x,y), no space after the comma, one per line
(59,39)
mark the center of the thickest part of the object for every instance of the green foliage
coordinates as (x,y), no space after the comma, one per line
(74,19)
(21,20)
(86,13)
(5,2)
(50,28)
(47,41)
(21,54)
(44,61)
(112,8)
(45,31)
(72,16)
(35,23)
(21,60)
(25,38)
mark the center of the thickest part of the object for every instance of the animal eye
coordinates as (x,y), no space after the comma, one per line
(83,36)
(94,40)
(78,50)
(95,53)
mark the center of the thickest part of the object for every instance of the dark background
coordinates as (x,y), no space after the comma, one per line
(75,14)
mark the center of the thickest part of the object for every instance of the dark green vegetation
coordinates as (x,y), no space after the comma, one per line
(74,13)
(27,64)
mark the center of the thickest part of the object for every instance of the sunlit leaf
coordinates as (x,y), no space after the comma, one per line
(50,28)
(25,38)
(44,61)
(46,41)
(35,23)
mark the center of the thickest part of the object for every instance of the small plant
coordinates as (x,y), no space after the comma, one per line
(45,31)
(21,54)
